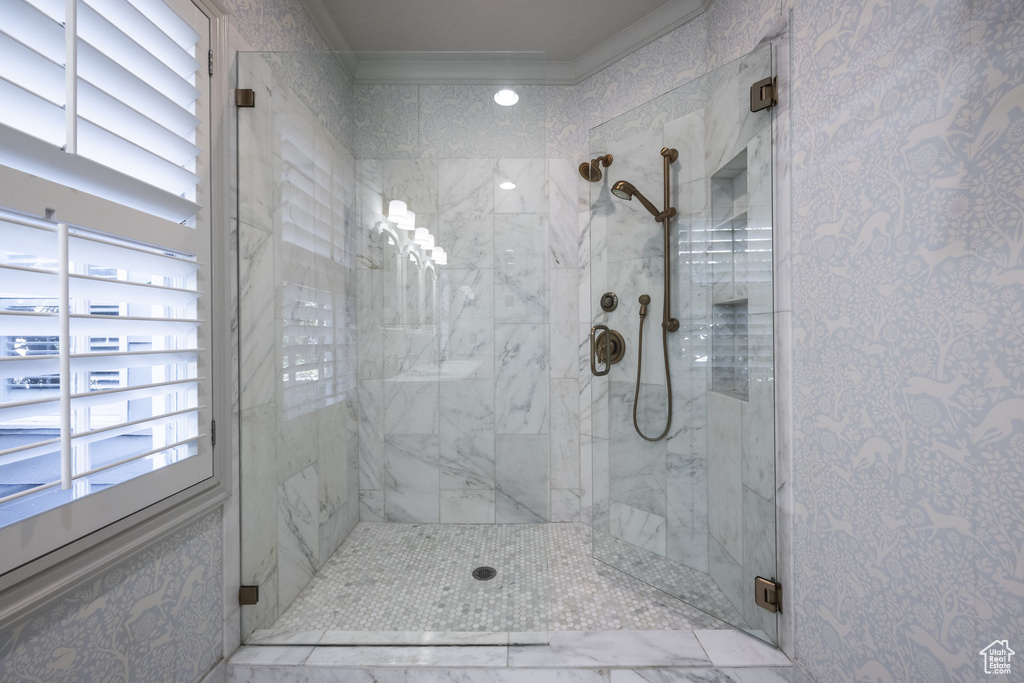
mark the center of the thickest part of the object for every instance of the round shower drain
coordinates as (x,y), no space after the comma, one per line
(484,573)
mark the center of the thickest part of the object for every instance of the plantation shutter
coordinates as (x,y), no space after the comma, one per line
(104,277)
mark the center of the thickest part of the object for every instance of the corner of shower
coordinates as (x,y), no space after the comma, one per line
(382,500)
(395,294)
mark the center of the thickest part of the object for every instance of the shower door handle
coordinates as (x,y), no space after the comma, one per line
(593,353)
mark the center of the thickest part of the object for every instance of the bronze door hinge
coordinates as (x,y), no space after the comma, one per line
(764,94)
(768,594)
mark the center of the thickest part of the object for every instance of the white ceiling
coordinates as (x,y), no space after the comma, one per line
(540,41)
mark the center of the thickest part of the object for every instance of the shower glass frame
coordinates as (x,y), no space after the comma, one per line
(693,514)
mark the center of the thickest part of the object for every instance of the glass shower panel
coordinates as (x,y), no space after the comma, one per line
(692,514)
(297,410)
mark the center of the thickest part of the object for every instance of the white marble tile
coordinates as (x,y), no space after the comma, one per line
(727,126)
(257,292)
(601,485)
(467,507)
(385,656)
(521,478)
(264,613)
(520,287)
(687,490)
(267,655)
(231,628)
(565,434)
(786,576)
(298,534)
(413,638)
(565,505)
(758,420)
(508,676)
(371,433)
(563,235)
(412,480)
(371,506)
(290,674)
(727,647)
(255,150)
(759,557)
(414,181)
(638,527)
(467,434)
(470,293)
(301,449)
(751,675)
(293,130)
(529,637)
(637,467)
(759,223)
(528,195)
(336,425)
(468,349)
(727,573)
(369,210)
(725,517)
(466,212)
(270,636)
(563,303)
(521,379)
(411,407)
(587,479)
(258,485)
(612,648)
(632,231)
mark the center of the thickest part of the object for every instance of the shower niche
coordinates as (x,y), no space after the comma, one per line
(726,256)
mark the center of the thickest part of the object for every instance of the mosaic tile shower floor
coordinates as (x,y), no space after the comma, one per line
(391,578)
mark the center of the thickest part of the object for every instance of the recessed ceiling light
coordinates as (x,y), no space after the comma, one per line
(507,185)
(506,97)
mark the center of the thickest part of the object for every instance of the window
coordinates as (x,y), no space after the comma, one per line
(105,397)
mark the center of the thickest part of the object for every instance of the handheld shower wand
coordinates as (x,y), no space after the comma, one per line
(626,190)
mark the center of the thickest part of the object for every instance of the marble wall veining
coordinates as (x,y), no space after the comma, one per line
(298,400)
(908,234)
(478,391)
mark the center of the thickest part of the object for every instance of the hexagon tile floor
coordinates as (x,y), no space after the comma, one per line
(390,579)
(393,578)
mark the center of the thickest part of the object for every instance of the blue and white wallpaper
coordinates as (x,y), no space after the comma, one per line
(908,328)
(155,617)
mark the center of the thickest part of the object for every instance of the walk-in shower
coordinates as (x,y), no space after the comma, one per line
(415,401)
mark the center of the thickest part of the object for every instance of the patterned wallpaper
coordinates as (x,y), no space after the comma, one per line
(155,617)
(908,315)
(275,25)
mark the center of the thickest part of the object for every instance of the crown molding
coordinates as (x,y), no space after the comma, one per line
(520,68)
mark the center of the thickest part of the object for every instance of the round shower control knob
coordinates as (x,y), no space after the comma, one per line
(609,302)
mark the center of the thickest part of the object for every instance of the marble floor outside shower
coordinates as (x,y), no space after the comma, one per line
(411,583)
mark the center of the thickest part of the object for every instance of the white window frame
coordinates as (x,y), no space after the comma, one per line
(45,578)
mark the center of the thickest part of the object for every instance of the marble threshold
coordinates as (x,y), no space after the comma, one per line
(721,656)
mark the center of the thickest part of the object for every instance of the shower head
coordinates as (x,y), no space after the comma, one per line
(625,190)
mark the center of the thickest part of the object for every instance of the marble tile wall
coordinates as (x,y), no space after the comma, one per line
(298,348)
(474,405)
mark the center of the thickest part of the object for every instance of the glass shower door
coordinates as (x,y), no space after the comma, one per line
(692,513)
